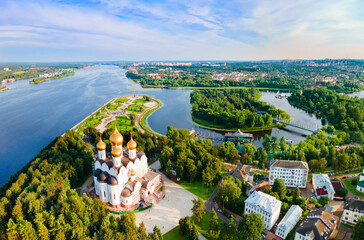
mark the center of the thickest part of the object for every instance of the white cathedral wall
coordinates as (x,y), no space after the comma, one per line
(97,187)
(117,161)
(104,195)
(114,197)
(97,165)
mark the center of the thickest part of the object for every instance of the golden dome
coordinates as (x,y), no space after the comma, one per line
(116,152)
(101,146)
(131,144)
(132,172)
(116,138)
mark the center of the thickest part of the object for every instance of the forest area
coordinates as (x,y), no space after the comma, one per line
(344,113)
(40,202)
(234,109)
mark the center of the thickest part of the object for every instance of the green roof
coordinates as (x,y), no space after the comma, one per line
(361,174)
(361,184)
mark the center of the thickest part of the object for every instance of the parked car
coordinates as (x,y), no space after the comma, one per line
(344,178)
(219,210)
(355,175)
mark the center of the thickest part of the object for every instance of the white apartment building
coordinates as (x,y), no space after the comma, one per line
(293,173)
(267,206)
(353,210)
(322,185)
(289,221)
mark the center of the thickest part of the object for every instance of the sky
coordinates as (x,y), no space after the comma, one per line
(191,30)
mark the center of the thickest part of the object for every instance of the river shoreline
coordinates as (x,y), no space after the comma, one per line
(4,88)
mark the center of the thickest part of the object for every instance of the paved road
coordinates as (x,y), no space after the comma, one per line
(137,122)
(166,215)
(209,203)
(84,185)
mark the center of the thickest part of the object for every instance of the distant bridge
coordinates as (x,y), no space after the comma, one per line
(300,126)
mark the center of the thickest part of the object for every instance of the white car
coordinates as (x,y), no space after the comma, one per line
(219,210)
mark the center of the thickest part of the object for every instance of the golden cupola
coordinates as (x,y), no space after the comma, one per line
(132,172)
(116,139)
(101,146)
(131,144)
(116,152)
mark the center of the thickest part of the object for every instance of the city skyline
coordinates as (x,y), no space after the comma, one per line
(110,30)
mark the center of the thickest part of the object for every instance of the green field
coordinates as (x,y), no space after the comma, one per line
(121,100)
(198,189)
(352,188)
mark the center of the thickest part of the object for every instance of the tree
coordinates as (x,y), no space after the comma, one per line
(169,167)
(157,234)
(296,194)
(198,208)
(213,222)
(250,226)
(207,178)
(266,143)
(282,144)
(142,232)
(358,231)
(280,188)
(229,191)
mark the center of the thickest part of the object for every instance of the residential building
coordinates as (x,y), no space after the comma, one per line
(289,221)
(318,225)
(322,186)
(353,210)
(267,206)
(293,173)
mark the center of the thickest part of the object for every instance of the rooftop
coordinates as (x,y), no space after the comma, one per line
(319,223)
(322,181)
(288,221)
(265,201)
(353,204)
(288,164)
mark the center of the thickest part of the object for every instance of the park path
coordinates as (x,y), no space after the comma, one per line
(137,122)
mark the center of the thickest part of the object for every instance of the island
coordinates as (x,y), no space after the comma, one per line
(232,109)
(52,76)
(13,72)
(3,88)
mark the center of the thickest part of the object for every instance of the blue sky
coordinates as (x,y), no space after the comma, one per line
(65,30)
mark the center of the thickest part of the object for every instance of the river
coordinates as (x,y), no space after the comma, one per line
(32,115)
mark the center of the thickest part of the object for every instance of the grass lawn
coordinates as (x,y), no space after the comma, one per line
(203,225)
(92,122)
(198,189)
(112,107)
(348,173)
(120,100)
(135,108)
(352,188)
(140,101)
(174,234)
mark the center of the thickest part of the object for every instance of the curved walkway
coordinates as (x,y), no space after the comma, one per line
(137,122)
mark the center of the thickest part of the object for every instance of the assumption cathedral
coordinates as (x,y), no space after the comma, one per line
(123,179)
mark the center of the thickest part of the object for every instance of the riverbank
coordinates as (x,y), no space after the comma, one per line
(4,88)
(40,80)
(142,120)
(205,124)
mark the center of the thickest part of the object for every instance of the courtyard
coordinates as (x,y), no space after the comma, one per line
(167,213)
